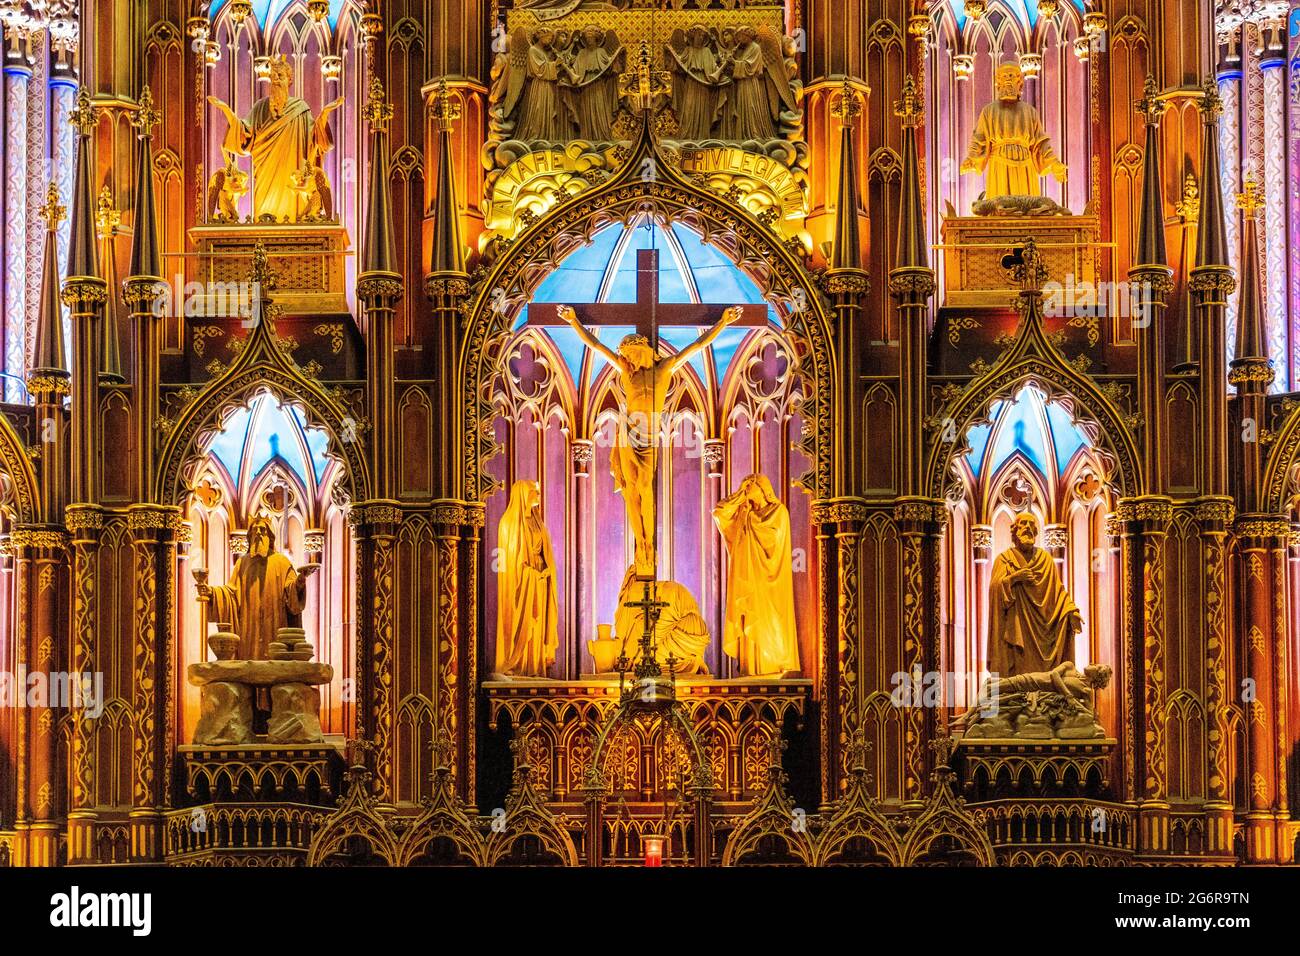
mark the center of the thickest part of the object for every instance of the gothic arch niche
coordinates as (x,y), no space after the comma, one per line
(264,457)
(732,411)
(960,82)
(1031,450)
(17,503)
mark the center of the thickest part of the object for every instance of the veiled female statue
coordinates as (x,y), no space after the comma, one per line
(527,609)
(760,624)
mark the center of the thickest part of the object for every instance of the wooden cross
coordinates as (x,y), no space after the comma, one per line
(647,314)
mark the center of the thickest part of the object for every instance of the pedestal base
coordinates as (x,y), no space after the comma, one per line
(973,247)
(295,715)
(225,714)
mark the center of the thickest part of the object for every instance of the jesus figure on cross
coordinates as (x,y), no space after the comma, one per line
(645,378)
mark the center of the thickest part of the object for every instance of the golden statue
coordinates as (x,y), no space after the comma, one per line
(527,609)
(1010,145)
(760,625)
(680,630)
(312,187)
(265,593)
(281,136)
(645,379)
(227,186)
(1058,703)
(1032,619)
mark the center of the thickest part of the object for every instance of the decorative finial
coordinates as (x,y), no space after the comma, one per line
(1151,106)
(52,211)
(146,117)
(846,107)
(262,274)
(1026,266)
(107,219)
(1251,199)
(1211,101)
(908,109)
(642,84)
(85,117)
(377,111)
(445,107)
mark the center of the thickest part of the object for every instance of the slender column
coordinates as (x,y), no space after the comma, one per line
(828,685)
(448,518)
(1273,227)
(474,518)
(18,72)
(1261,547)
(848,515)
(375,525)
(1147,520)
(919,527)
(85,523)
(1228,27)
(1213,516)
(42,556)
(153,534)
(39,174)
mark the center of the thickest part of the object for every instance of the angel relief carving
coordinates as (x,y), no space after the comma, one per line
(738,85)
(555,86)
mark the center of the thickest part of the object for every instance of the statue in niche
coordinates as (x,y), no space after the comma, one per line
(227,186)
(593,82)
(761,97)
(527,607)
(265,593)
(281,136)
(645,378)
(1009,145)
(532,107)
(1060,703)
(698,97)
(760,623)
(680,630)
(1032,618)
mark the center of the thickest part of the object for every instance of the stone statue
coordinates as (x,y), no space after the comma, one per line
(760,624)
(528,88)
(680,630)
(265,593)
(1032,619)
(593,79)
(527,609)
(281,136)
(1059,703)
(645,378)
(1010,145)
(227,186)
(698,99)
(761,92)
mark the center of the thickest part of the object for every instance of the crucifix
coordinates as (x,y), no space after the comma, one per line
(645,376)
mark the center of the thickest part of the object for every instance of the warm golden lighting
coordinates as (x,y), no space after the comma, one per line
(654,850)
(963,66)
(318,10)
(262,68)
(211,53)
(241,10)
(1094,24)
(331,67)
(1049,8)
(1031,64)
(975,9)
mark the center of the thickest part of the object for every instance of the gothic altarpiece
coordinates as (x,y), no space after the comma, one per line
(605,433)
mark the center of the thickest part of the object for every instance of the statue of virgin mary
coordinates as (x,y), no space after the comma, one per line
(527,609)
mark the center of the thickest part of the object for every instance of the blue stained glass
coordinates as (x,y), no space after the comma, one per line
(724,349)
(228,446)
(268,11)
(680,338)
(1020,430)
(1065,436)
(274,437)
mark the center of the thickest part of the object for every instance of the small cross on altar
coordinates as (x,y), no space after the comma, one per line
(647,314)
